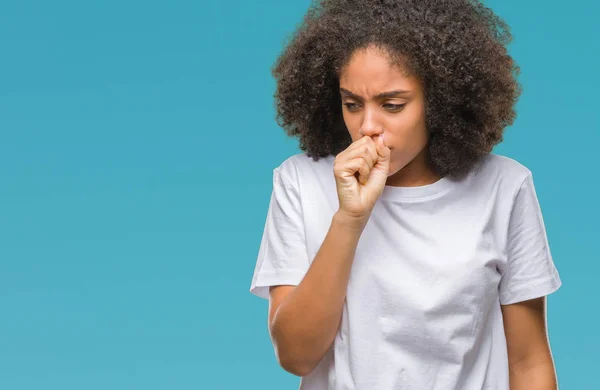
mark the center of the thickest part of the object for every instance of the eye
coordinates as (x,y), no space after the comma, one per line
(351,106)
(394,107)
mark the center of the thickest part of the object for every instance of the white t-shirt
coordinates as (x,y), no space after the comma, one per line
(432,267)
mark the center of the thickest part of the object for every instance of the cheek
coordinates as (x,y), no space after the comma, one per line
(407,130)
(400,158)
(352,125)
(408,142)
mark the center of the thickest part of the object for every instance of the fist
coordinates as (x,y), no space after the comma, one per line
(361,172)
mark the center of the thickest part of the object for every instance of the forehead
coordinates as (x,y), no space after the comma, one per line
(371,69)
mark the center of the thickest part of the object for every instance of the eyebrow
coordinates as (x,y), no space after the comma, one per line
(382,95)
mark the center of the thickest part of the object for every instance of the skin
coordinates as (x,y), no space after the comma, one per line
(530,360)
(400,117)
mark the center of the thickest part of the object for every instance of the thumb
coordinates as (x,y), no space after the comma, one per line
(379,173)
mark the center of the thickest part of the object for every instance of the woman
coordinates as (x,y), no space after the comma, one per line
(399,252)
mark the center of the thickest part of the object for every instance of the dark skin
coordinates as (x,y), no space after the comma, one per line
(371,108)
(381,98)
(456,48)
(460,100)
(529,355)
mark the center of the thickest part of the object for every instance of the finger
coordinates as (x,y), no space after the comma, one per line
(363,153)
(363,171)
(368,150)
(357,144)
(349,167)
(380,172)
(372,151)
(357,168)
(382,150)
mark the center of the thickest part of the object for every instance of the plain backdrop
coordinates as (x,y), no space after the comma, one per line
(138,140)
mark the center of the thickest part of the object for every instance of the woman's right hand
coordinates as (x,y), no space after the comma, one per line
(361,172)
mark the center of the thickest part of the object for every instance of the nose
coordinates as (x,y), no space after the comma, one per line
(370,126)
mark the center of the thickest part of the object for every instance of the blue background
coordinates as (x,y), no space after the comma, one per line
(136,154)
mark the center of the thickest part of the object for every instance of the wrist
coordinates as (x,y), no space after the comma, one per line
(354,223)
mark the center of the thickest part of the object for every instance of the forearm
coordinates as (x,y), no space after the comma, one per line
(307,321)
(533,376)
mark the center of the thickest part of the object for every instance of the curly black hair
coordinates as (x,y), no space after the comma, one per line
(456,47)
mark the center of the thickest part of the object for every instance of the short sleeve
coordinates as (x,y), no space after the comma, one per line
(530,271)
(282,256)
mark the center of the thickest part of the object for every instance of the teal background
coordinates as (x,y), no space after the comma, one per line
(137,146)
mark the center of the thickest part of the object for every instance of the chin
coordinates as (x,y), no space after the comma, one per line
(396,166)
(393,171)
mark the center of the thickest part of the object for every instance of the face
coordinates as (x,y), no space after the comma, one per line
(378,97)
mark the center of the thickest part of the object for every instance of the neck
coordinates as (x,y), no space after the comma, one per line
(416,173)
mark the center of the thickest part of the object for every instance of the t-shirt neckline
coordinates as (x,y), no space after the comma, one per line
(398,193)
(427,191)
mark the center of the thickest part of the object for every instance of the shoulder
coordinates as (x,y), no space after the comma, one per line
(500,164)
(497,169)
(300,167)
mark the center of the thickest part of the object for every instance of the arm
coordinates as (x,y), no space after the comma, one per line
(530,360)
(304,319)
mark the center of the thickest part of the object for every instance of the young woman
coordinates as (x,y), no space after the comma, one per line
(399,252)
